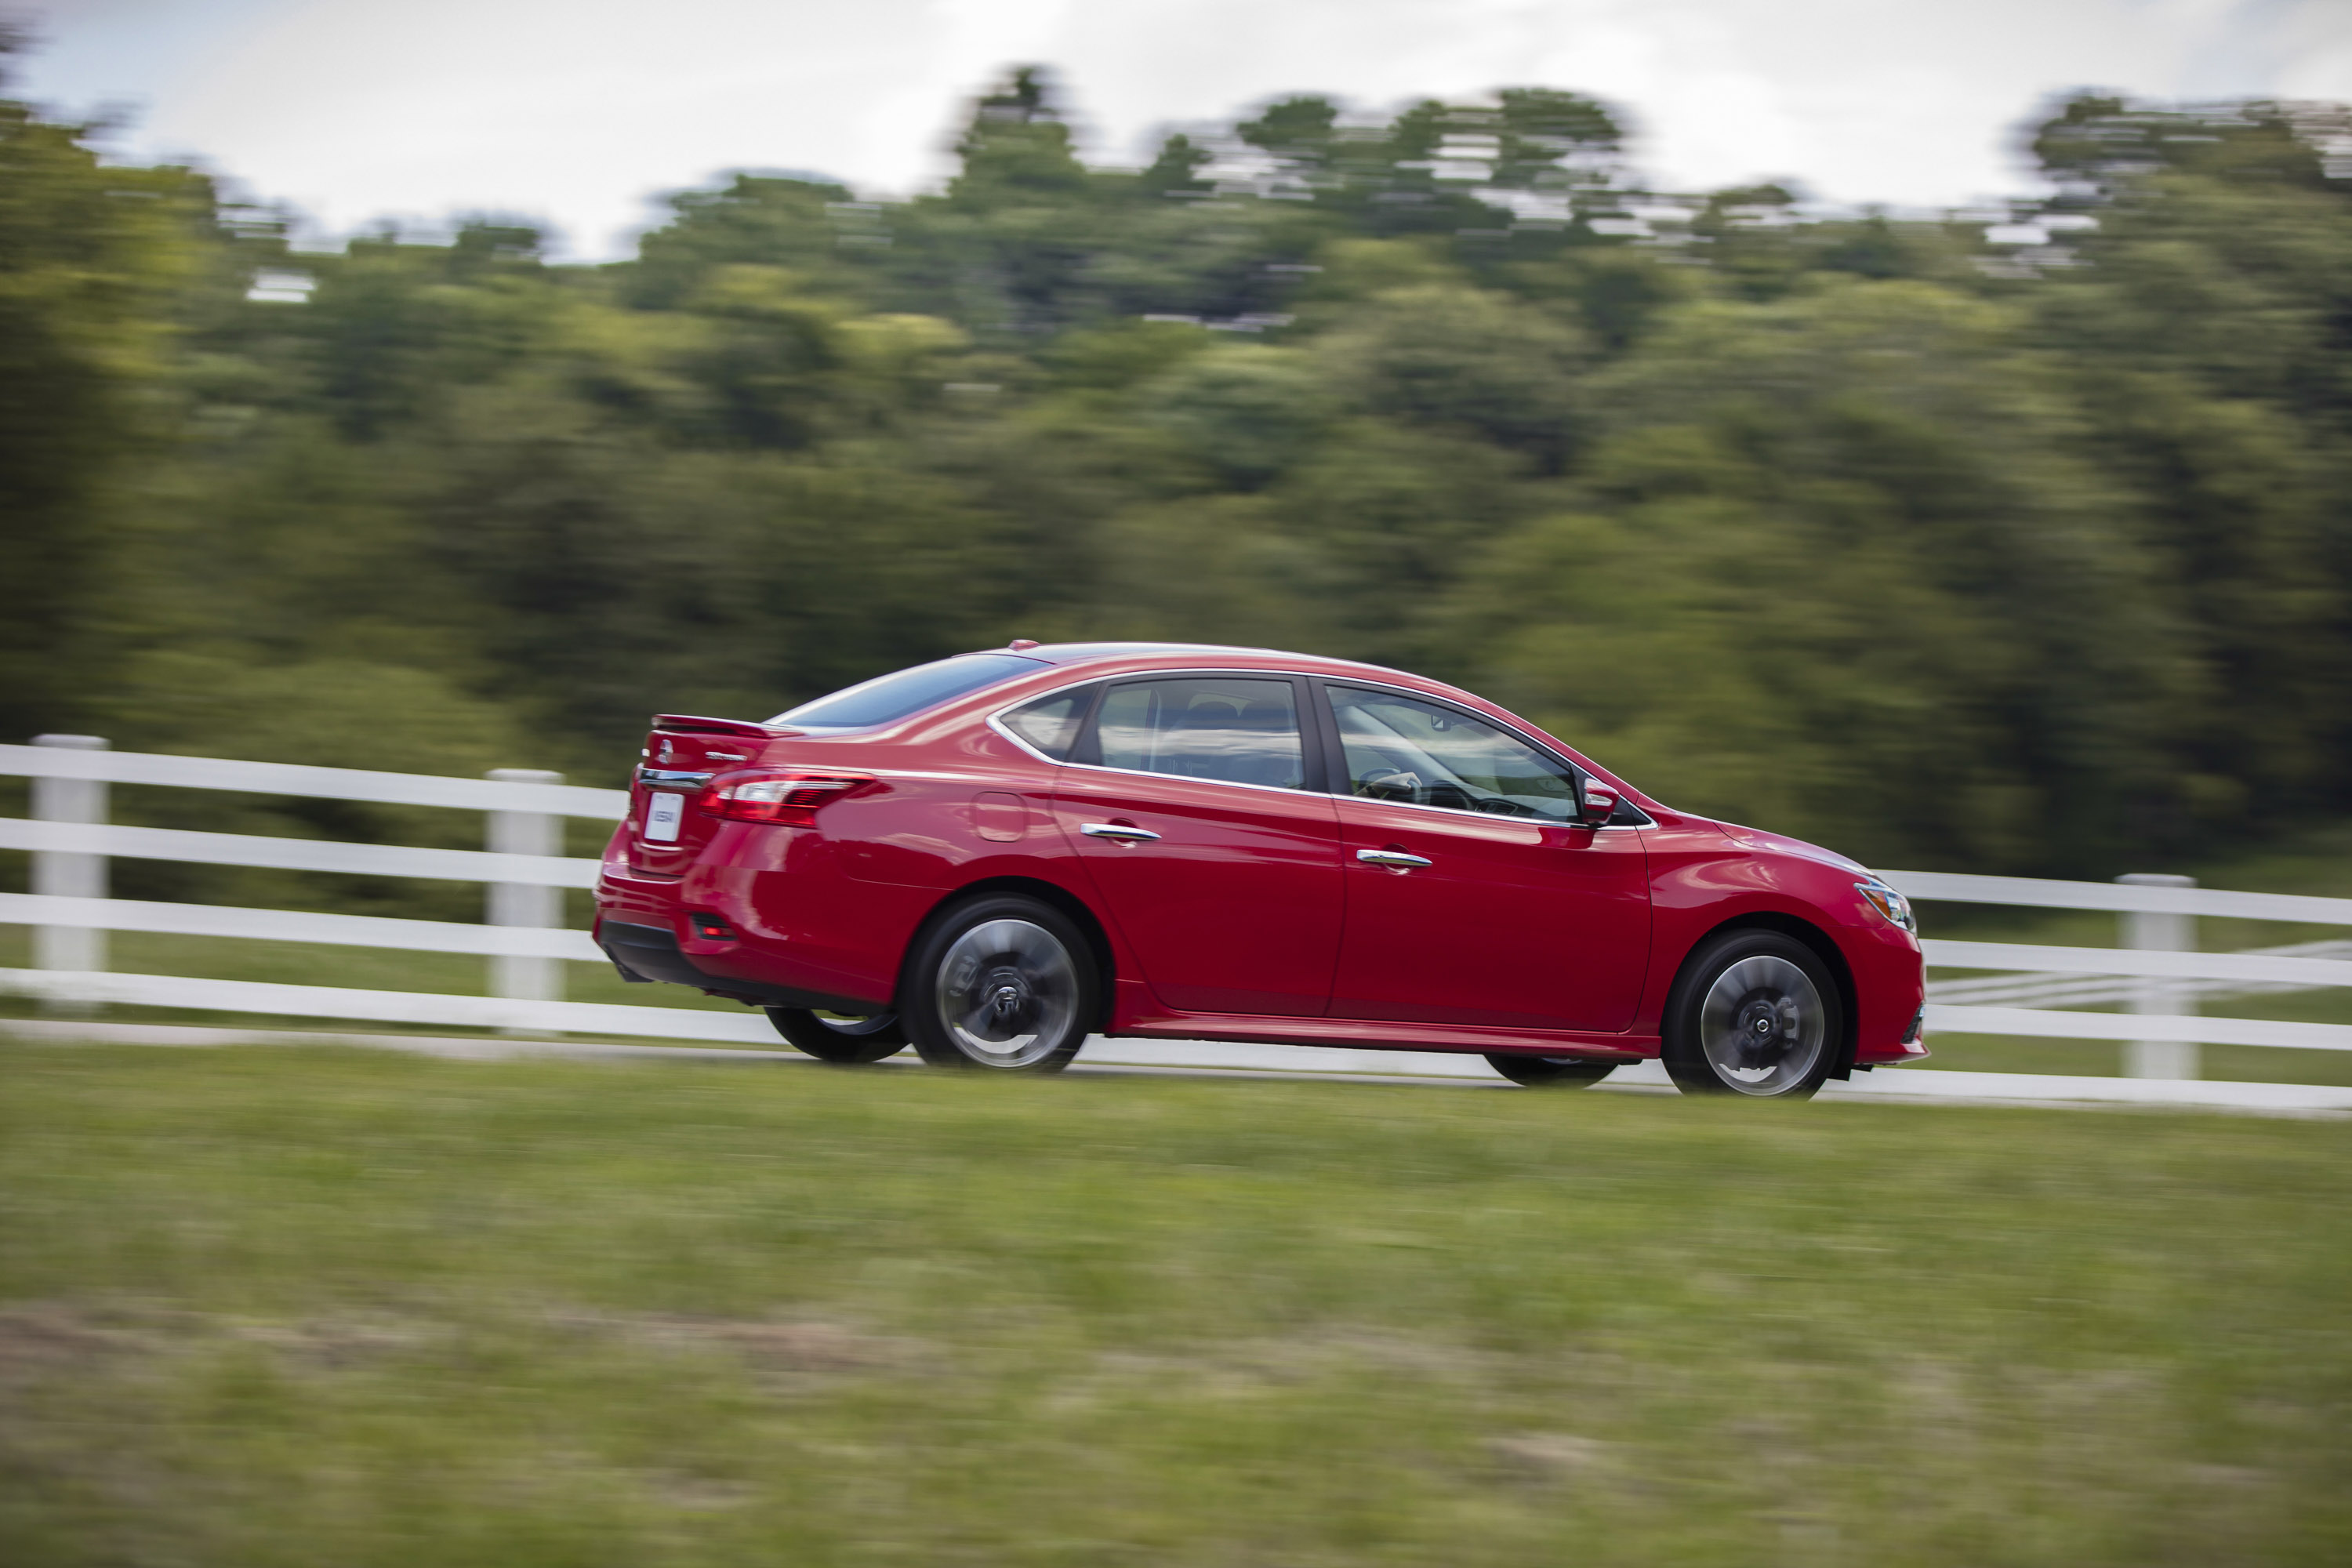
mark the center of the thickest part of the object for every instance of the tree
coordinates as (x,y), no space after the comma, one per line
(91,255)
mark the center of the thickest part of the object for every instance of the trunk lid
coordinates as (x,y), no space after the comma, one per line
(665,832)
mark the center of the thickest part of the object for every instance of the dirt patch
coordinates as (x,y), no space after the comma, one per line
(42,1336)
(1551,1453)
(789,1346)
(333,1344)
(42,1339)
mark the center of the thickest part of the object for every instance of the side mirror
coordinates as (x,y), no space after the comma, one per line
(1596,804)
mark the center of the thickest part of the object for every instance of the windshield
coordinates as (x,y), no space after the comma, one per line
(886,698)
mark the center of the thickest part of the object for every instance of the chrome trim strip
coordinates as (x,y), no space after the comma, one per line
(1186,778)
(1494,816)
(673,776)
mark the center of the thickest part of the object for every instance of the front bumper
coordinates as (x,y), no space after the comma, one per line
(1891,982)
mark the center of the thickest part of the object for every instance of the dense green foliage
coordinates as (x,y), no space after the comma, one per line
(279,1308)
(1871,531)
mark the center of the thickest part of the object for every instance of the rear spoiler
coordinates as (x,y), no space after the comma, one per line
(694,724)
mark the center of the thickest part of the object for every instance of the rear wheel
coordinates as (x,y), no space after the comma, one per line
(1550,1072)
(1756,1014)
(1004,982)
(842,1041)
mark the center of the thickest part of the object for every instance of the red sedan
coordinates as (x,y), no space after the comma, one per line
(993,856)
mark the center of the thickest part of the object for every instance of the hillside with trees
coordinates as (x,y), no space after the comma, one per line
(1938,549)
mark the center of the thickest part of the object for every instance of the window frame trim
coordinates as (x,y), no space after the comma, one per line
(1314,751)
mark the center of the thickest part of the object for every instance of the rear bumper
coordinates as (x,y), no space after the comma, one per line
(778,938)
(643,953)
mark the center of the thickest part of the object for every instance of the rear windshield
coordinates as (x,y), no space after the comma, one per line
(886,698)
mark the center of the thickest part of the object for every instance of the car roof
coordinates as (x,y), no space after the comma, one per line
(1152,655)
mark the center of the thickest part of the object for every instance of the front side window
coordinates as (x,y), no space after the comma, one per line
(1423,753)
(1231,729)
(887,698)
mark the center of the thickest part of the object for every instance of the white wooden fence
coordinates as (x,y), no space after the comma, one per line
(2155,973)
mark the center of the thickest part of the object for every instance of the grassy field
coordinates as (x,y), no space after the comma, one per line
(263,1308)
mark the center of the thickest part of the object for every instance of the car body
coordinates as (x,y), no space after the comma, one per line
(1251,845)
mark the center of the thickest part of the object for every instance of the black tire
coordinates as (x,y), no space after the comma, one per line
(1001,984)
(1550,1072)
(1756,1014)
(845,1042)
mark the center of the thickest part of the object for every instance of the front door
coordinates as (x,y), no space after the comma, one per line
(1473,895)
(1187,800)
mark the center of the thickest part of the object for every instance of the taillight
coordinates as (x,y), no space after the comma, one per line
(786,795)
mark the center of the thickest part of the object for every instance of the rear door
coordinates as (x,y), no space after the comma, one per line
(1473,895)
(1197,808)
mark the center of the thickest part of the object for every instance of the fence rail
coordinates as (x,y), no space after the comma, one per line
(298,925)
(2033,892)
(64,762)
(2156,972)
(126,843)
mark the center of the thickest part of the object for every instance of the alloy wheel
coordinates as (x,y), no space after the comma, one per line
(1008,993)
(1763,1025)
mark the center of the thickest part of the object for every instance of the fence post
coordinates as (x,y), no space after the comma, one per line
(516,975)
(68,875)
(2151,997)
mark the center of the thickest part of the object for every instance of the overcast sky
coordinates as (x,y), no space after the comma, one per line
(575,112)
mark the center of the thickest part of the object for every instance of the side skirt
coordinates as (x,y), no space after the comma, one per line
(1378,1035)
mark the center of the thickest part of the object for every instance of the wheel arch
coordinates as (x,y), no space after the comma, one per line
(1089,925)
(1823,946)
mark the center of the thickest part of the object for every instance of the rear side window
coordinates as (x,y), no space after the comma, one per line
(1236,729)
(888,698)
(1051,723)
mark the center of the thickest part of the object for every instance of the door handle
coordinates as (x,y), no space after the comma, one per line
(1393,857)
(1124,833)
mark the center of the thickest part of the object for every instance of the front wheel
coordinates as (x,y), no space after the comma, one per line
(1550,1072)
(1756,1014)
(1004,982)
(845,1042)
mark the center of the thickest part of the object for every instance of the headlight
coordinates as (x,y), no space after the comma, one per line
(1890,903)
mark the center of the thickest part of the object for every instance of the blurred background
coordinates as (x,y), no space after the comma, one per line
(2006,534)
(1831,416)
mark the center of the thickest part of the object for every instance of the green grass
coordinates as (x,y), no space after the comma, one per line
(263,1308)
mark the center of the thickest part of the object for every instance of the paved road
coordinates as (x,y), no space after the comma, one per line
(1207,1058)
